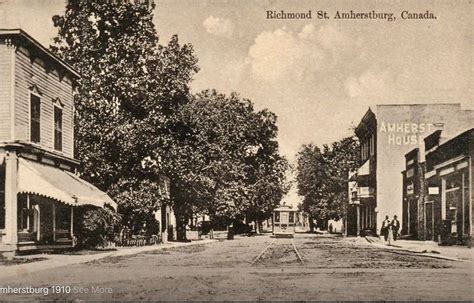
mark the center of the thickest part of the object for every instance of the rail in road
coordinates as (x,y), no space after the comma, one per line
(279,241)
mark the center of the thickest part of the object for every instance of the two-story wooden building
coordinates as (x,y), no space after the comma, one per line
(39,182)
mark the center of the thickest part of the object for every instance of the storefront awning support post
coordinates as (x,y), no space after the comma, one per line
(54,221)
(72,222)
(11,202)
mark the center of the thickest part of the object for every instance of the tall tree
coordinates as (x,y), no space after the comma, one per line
(130,88)
(266,169)
(310,177)
(322,177)
(342,158)
(227,158)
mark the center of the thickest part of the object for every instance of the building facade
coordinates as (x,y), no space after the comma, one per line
(39,183)
(386,136)
(363,183)
(445,191)
(413,192)
(165,215)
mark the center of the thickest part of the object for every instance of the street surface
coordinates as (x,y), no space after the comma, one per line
(254,268)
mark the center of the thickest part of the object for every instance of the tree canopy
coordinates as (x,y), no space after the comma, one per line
(225,163)
(136,120)
(129,90)
(322,176)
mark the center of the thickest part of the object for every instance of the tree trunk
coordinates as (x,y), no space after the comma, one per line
(180,211)
(311,224)
(257,227)
(323,224)
(180,226)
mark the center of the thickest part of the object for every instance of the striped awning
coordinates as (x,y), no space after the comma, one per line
(364,170)
(55,183)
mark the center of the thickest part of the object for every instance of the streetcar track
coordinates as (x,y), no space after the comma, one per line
(295,249)
(262,252)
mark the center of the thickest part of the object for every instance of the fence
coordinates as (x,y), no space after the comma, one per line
(126,239)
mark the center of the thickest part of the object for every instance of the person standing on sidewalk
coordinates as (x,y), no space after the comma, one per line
(385,228)
(395,227)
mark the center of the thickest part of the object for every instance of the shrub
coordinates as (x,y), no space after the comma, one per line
(242,228)
(95,227)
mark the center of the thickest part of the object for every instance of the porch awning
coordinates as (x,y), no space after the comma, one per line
(364,170)
(55,183)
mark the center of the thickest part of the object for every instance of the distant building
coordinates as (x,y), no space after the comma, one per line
(413,193)
(386,136)
(443,190)
(40,189)
(165,215)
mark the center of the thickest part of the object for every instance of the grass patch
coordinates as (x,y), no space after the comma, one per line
(82,252)
(191,249)
(16,261)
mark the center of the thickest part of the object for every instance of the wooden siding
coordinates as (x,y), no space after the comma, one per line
(30,75)
(5,90)
(470,175)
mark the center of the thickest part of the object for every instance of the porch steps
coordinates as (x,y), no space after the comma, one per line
(31,245)
(43,248)
(7,247)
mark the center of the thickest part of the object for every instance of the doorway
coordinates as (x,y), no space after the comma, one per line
(412,214)
(429,221)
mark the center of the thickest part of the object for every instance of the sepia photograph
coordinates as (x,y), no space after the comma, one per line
(229,150)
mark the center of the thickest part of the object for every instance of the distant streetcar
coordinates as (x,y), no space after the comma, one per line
(284,221)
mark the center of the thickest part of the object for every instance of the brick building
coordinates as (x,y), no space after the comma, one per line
(386,135)
(413,192)
(444,190)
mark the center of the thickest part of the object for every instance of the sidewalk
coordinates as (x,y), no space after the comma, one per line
(428,248)
(54,261)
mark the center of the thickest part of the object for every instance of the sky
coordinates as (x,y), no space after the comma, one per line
(318,76)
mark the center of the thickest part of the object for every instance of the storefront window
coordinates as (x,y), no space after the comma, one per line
(22,213)
(453,181)
(454,203)
(63,215)
(467,212)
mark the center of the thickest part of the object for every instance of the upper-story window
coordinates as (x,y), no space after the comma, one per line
(372,144)
(58,128)
(35,117)
(362,151)
(368,147)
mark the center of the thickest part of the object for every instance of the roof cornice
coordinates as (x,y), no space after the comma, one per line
(26,37)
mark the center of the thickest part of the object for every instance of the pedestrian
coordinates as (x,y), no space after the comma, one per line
(389,235)
(330,228)
(395,227)
(385,228)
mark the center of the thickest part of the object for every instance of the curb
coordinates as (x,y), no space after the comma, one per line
(62,260)
(432,254)
(137,250)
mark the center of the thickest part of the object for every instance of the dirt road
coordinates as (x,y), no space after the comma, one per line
(332,269)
